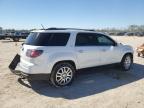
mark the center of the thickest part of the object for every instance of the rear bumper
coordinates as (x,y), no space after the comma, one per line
(31,76)
(23,73)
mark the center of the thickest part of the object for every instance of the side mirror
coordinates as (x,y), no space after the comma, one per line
(118,44)
(115,44)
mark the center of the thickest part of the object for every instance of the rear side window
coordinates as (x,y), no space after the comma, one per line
(48,39)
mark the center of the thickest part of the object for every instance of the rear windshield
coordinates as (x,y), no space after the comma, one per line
(47,39)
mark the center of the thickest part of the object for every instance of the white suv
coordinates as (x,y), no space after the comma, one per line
(56,54)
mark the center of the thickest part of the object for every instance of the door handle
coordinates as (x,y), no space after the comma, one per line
(104,50)
(81,51)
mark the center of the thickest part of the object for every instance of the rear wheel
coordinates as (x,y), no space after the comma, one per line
(62,74)
(127,62)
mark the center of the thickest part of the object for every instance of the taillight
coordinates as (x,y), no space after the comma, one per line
(33,53)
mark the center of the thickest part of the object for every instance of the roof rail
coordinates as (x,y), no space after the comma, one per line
(69,29)
(53,28)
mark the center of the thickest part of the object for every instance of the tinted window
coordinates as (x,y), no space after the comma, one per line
(47,39)
(86,39)
(93,39)
(104,40)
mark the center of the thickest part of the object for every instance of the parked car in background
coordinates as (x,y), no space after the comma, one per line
(130,34)
(112,33)
(1,37)
(24,35)
(134,34)
(139,33)
(15,36)
(120,33)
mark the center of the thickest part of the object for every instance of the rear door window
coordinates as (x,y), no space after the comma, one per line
(48,39)
(86,39)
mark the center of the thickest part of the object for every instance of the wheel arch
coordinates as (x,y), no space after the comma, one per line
(65,61)
(127,53)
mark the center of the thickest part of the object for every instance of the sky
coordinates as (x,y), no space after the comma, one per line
(30,14)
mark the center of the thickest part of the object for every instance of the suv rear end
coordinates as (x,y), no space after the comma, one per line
(37,50)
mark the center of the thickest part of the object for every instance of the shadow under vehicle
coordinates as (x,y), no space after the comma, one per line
(89,82)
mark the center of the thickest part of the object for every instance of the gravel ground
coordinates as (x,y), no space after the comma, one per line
(95,88)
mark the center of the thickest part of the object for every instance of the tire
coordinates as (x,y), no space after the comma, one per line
(138,54)
(62,74)
(126,62)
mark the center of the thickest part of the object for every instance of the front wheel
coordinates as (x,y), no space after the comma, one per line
(127,62)
(62,74)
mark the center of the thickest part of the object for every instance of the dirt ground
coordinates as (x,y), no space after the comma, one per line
(93,88)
